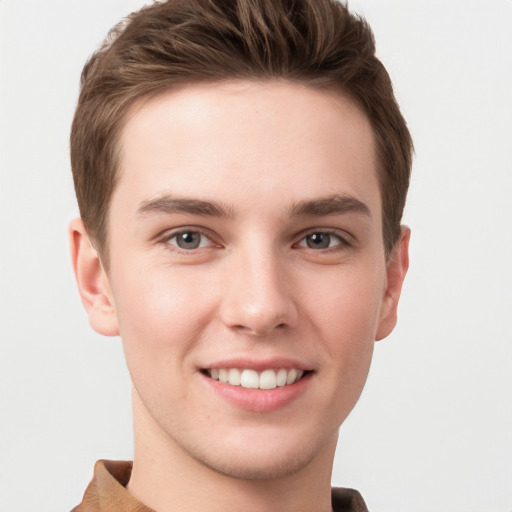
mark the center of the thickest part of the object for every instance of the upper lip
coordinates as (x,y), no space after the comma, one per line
(259,365)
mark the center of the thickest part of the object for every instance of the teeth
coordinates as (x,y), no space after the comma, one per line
(251,379)
(234,377)
(281,377)
(292,375)
(268,379)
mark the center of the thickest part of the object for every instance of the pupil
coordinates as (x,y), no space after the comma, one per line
(188,240)
(319,240)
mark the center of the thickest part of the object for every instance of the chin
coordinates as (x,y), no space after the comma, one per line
(263,468)
(253,461)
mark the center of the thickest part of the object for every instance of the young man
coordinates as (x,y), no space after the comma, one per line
(241,170)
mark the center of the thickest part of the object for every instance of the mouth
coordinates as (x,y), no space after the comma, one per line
(251,379)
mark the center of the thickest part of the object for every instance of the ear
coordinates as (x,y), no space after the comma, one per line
(397,266)
(92,280)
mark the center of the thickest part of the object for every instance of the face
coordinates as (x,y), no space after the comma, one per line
(247,274)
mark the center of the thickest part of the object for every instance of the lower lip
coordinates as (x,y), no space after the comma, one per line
(260,400)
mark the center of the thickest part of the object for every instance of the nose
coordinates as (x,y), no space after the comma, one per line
(258,295)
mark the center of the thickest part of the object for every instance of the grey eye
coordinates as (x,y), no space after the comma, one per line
(319,240)
(188,240)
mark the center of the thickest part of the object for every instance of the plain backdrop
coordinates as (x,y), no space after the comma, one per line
(433,429)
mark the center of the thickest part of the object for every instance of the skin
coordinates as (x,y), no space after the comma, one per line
(271,278)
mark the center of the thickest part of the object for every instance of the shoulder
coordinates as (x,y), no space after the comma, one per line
(347,500)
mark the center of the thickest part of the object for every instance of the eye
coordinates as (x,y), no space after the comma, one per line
(189,240)
(322,240)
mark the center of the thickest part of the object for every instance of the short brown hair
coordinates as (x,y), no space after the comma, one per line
(170,44)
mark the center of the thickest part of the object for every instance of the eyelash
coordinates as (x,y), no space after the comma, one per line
(344,240)
(167,239)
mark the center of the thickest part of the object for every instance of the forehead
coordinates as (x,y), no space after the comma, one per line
(235,139)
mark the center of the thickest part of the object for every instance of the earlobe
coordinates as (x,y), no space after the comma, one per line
(92,281)
(397,266)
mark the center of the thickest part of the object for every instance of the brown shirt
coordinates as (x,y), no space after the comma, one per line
(107,492)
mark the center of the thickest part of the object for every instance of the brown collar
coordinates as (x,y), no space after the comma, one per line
(107,492)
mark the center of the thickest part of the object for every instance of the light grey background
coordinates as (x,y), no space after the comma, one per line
(433,430)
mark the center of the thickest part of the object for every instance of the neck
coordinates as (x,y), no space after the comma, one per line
(166,478)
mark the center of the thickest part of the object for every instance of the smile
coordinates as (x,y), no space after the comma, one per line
(251,379)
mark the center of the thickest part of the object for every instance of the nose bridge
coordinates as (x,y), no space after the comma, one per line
(258,298)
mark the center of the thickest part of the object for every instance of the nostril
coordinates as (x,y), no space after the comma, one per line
(258,317)
(261,330)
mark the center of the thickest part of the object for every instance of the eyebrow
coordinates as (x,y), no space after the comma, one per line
(168,204)
(329,205)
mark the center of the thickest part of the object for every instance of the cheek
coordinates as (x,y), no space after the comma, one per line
(344,320)
(160,315)
(345,312)
(347,302)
